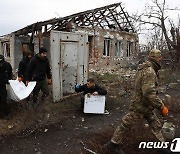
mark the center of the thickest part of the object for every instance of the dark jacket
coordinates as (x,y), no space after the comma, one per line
(5,72)
(23,66)
(38,69)
(86,90)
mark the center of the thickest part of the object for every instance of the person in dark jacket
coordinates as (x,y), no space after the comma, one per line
(89,88)
(5,75)
(39,71)
(23,66)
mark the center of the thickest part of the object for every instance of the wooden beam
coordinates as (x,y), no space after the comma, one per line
(40,37)
(90,11)
(95,17)
(115,20)
(127,18)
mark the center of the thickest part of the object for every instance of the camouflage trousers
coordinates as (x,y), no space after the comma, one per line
(131,118)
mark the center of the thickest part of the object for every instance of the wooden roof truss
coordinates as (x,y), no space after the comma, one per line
(107,17)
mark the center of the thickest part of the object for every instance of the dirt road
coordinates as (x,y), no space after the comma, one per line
(62,128)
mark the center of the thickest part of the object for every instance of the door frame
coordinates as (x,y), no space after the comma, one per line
(56,37)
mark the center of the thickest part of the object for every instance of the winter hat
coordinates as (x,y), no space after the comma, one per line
(155,53)
(42,49)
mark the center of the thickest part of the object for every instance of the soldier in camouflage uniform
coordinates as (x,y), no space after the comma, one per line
(145,100)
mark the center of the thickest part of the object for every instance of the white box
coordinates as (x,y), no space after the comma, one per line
(94,104)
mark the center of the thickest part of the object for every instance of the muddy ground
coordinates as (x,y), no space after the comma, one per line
(63,128)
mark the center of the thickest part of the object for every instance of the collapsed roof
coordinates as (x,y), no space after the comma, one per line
(107,17)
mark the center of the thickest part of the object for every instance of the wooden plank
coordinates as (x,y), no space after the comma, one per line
(115,20)
(94,17)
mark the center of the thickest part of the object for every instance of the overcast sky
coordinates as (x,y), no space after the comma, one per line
(16,14)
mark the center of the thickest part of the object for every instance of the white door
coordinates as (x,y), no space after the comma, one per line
(69,61)
(69,66)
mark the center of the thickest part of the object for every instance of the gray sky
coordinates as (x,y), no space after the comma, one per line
(16,14)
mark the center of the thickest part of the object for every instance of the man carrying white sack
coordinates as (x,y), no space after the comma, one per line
(39,71)
(23,66)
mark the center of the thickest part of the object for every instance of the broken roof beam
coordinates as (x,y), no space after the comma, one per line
(117,22)
(96,20)
(90,22)
(108,18)
(103,17)
(89,11)
(132,28)
(39,25)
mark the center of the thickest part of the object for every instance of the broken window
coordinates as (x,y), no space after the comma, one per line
(129,46)
(118,51)
(90,40)
(6,49)
(106,47)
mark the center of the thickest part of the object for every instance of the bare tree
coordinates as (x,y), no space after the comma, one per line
(155,15)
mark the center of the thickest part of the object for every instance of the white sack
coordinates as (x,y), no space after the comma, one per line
(18,90)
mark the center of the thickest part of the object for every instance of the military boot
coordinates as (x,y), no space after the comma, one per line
(116,148)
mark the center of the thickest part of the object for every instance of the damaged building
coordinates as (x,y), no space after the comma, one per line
(98,39)
(112,40)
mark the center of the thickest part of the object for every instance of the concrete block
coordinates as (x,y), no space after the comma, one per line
(168,130)
(162,89)
(167,100)
(173,85)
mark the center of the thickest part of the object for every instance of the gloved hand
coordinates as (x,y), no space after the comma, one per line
(49,81)
(77,86)
(19,79)
(164,110)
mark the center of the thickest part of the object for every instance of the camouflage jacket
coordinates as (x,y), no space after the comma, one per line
(145,97)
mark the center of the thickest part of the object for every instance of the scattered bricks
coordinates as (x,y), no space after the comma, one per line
(173,85)
(176,103)
(122,92)
(104,81)
(168,130)
(114,97)
(162,89)
(146,125)
(167,100)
